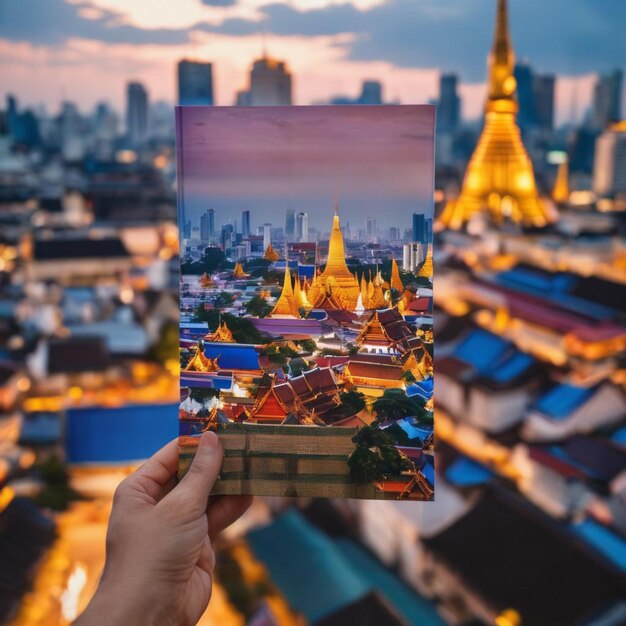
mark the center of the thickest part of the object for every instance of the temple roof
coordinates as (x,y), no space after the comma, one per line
(221,334)
(384,327)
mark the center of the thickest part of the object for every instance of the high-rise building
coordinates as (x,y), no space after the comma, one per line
(371,92)
(245,223)
(543,95)
(607,99)
(227,237)
(270,84)
(609,171)
(302,227)
(267,235)
(499,183)
(412,256)
(207,225)
(136,113)
(195,82)
(449,106)
(371,228)
(290,223)
(419,227)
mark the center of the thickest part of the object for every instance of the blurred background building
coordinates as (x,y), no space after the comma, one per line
(529,523)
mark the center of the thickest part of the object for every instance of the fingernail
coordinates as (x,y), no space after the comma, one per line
(209,439)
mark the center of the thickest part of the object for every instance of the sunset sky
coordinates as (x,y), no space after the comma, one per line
(87,50)
(378,160)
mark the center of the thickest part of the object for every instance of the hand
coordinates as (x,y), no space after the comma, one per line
(159,563)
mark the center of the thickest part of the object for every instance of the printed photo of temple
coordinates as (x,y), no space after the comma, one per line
(310,352)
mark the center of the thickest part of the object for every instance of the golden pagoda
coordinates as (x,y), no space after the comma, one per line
(499,179)
(271,254)
(426,269)
(560,191)
(200,362)
(287,304)
(222,334)
(396,281)
(238,271)
(206,281)
(344,284)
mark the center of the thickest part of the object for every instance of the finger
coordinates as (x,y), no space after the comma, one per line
(156,476)
(225,510)
(193,491)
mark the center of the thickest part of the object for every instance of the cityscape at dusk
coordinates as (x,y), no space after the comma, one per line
(310,293)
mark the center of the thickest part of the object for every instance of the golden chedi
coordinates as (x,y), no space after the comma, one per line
(499,180)
(336,274)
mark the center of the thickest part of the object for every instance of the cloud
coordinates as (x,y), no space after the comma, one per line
(53,22)
(562,36)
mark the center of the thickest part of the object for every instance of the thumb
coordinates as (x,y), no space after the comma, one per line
(192,493)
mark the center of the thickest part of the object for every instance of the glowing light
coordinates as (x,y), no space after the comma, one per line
(75,393)
(71,595)
(126,156)
(127,294)
(23,384)
(508,617)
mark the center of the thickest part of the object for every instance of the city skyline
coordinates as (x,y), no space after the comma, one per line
(370,162)
(145,44)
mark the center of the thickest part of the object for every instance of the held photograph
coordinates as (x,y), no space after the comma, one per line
(306,297)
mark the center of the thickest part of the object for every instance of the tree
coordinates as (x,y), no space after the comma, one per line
(351,402)
(213,260)
(166,346)
(365,466)
(258,307)
(394,404)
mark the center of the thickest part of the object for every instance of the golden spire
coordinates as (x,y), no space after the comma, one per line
(200,362)
(286,304)
(499,180)
(427,266)
(271,254)
(222,334)
(560,192)
(336,268)
(238,271)
(396,281)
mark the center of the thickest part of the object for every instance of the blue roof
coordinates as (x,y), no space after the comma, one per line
(41,428)
(315,577)
(604,540)
(319,576)
(560,401)
(231,356)
(465,472)
(538,281)
(318,314)
(619,436)
(412,607)
(118,434)
(423,388)
(428,470)
(511,367)
(306,271)
(481,349)
(224,383)
(412,431)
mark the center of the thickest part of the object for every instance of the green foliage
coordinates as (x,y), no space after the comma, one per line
(213,260)
(223,299)
(351,403)
(201,395)
(394,404)
(307,345)
(375,456)
(258,307)
(257,268)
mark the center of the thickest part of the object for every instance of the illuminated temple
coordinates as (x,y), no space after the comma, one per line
(499,180)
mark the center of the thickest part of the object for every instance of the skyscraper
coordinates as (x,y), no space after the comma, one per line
(419,227)
(245,224)
(449,109)
(195,82)
(227,237)
(290,223)
(543,95)
(302,227)
(609,172)
(499,183)
(207,225)
(267,235)
(371,228)
(270,84)
(524,78)
(607,99)
(371,92)
(136,112)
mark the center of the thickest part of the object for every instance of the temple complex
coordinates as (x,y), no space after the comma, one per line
(287,304)
(500,180)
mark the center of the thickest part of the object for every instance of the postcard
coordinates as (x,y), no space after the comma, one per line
(306,332)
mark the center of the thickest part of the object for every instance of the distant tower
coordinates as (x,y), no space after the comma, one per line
(607,99)
(302,227)
(449,106)
(207,225)
(270,83)
(195,82)
(245,224)
(267,235)
(499,180)
(371,92)
(290,223)
(609,171)
(419,227)
(136,113)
